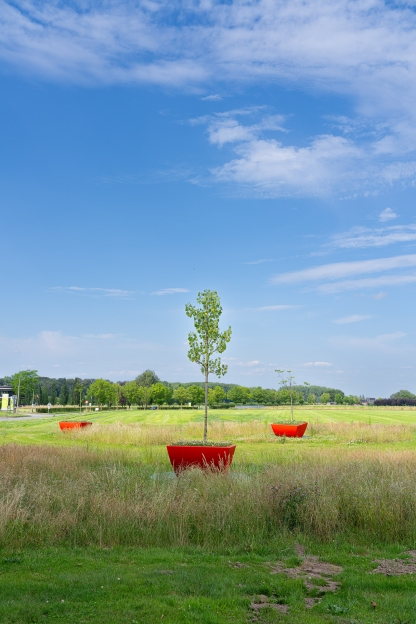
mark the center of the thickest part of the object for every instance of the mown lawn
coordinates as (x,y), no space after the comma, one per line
(92,522)
(46,430)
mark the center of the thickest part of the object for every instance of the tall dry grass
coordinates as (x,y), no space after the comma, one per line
(72,496)
(143,434)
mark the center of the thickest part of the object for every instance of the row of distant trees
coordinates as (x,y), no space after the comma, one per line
(148,389)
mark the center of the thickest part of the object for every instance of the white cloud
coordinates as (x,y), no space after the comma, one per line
(387,215)
(338,270)
(354,318)
(360,237)
(319,364)
(364,50)
(267,167)
(272,308)
(369,282)
(252,363)
(170,291)
(103,292)
(262,261)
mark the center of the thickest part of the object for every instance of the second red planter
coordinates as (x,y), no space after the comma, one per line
(217,457)
(290,431)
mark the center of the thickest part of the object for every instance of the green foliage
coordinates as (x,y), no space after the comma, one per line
(102,391)
(181,395)
(145,396)
(161,394)
(403,394)
(325,398)
(196,394)
(311,399)
(131,392)
(207,339)
(239,395)
(147,379)
(24,384)
(216,395)
(339,398)
(64,394)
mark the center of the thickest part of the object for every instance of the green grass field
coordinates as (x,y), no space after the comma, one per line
(94,526)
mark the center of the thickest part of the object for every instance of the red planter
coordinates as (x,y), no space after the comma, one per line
(74,424)
(290,431)
(183,457)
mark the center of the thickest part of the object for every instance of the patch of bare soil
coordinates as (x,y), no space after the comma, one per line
(263,603)
(317,575)
(237,565)
(396,567)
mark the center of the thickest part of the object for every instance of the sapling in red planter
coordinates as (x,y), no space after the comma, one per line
(291,428)
(204,343)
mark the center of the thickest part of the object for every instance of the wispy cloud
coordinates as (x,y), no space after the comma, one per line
(103,292)
(367,283)
(212,98)
(361,238)
(262,261)
(339,270)
(354,318)
(387,215)
(319,364)
(272,308)
(170,291)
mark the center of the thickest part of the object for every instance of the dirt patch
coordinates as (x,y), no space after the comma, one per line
(396,567)
(237,565)
(263,603)
(317,575)
(310,602)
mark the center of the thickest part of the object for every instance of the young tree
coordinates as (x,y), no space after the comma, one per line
(131,392)
(311,398)
(145,395)
(325,398)
(160,393)
(239,394)
(289,380)
(258,395)
(181,395)
(196,395)
(102,391)
(118,394)
(339,398)
(207,340)
(219,394)
(24,384)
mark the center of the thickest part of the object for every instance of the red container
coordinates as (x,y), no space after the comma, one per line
(183,457)
(74,424)
(290,431)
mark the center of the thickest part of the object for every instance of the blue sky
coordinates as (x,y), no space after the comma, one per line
(266,150)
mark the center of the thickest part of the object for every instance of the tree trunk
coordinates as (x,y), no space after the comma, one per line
(206,406)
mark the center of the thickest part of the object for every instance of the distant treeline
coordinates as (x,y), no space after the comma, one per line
(62,391)
(397,402)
